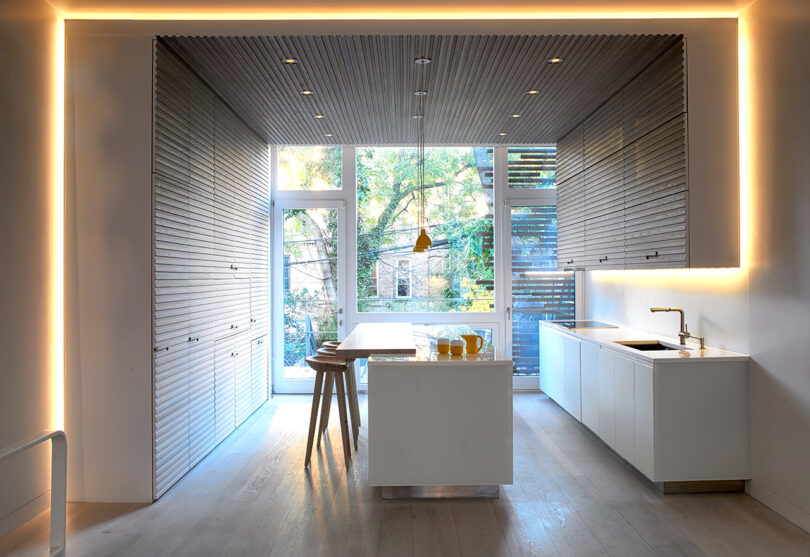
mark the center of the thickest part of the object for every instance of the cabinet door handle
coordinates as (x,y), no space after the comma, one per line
(652,256)
(234,354)
(233,268)
(193,339)
(234,326)
(570,262)
(160,349)
(603,259)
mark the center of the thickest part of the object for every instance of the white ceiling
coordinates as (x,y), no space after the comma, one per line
(363,84)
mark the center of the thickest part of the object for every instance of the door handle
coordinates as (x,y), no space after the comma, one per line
(508,313)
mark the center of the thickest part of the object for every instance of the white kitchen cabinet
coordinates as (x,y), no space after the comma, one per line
(571,376)
(643,455)
(624,393)
(560,369)
(589,379)
(678,416)
(607,401)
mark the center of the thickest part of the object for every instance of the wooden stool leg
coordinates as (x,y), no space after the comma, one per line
(354,410)
(327,400)
(344,424)
(313,418)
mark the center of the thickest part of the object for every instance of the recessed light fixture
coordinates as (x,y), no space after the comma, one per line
(306,92)
(422,60)
(327,135)
(290,61)
(416,116)
(502,134)
(554,60)
(420,93)
(515,116)
(319,116)
(532,92)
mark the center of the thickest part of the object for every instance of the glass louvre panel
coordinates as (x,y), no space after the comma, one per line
(539,292)
(532,167)
(457,272)
(309,167)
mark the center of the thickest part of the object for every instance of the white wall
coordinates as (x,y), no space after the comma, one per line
(779,41)
(27,29)
(109,342)
(763,310)
(109,268)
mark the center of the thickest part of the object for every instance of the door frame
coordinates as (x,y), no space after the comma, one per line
(282,385)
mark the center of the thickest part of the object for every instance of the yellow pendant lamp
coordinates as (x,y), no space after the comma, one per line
(423,241)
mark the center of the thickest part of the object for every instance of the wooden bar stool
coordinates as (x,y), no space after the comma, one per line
(337,369)
(351,384)
(351,387)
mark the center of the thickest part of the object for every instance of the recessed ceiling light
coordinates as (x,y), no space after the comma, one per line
(532,92)
(555,60)
(306,92)
(502,134)
(416,116)
(420,93)
(290,61)
(327,135)
(318,116)
(515,116)
(422,60)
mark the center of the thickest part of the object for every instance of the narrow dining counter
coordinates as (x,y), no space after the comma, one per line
(377,338)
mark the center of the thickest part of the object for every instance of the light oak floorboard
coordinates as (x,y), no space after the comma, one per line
(572,496)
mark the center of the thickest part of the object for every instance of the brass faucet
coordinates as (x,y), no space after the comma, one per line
(684,332)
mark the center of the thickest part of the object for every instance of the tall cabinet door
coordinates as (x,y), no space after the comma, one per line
(589,371)
(224,388)
(607,402)
(258,372)
(624,385)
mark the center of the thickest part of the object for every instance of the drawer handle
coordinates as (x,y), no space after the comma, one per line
(193,339)
(603,259)
(156,349)
(652,256)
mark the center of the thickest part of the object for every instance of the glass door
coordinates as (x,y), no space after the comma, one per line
(309,302)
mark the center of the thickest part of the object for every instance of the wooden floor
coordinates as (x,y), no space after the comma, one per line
(571,497)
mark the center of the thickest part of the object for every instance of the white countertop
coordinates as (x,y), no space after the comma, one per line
(607,338)
(430,357)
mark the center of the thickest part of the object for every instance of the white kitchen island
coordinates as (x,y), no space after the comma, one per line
(440,425)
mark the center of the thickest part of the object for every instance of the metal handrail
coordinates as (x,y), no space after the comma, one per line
(58,481)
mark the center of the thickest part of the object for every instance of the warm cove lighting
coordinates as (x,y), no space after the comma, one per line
(392,13)
(57,232)
(715,278)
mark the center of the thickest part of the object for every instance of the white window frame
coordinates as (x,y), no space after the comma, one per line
(503,199)
(410,279)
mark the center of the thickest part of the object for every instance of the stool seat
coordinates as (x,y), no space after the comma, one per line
(325,364)
(326,352)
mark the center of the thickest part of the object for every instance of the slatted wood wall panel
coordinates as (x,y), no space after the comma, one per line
(211,264)
(624,175)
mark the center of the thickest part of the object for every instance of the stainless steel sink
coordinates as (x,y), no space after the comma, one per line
(649,345)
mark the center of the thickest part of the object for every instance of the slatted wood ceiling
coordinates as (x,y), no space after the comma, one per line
(622,176)
(211,253)
(363,84)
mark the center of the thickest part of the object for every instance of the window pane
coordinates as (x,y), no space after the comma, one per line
(456,273)
(539,292)
(306,167)
(310,290)
(533,167)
